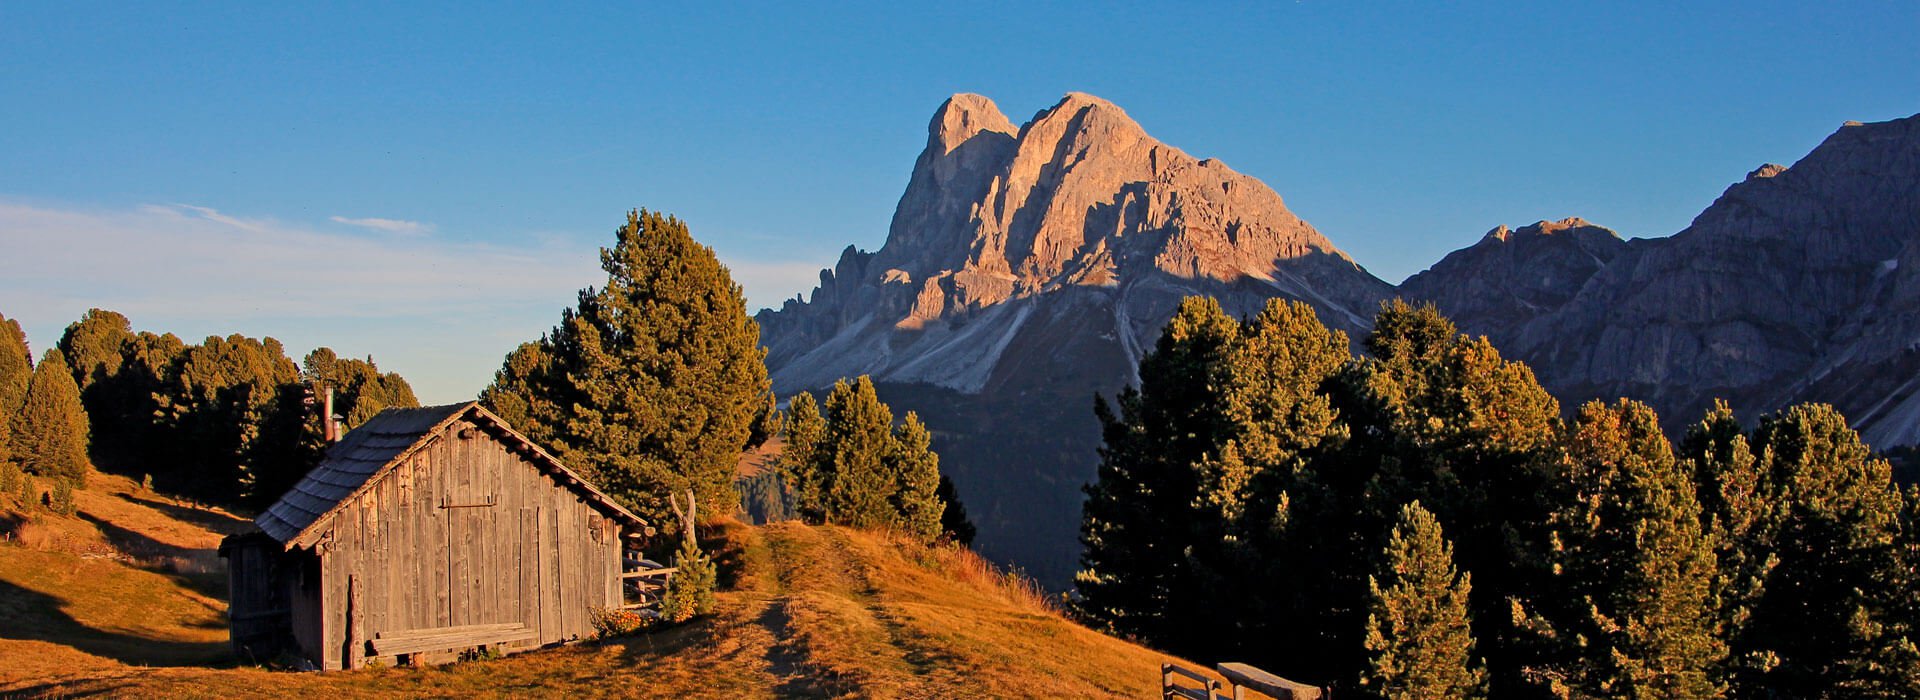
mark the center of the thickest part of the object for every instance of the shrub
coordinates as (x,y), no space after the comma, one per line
(614,622)
(61,500)
(10,476)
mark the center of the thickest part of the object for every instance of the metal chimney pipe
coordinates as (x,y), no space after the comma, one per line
(330,430)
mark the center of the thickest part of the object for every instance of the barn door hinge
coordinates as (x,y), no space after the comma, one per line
(447,502)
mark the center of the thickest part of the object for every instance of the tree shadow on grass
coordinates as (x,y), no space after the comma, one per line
(36,616)
(198,569)
(223,523)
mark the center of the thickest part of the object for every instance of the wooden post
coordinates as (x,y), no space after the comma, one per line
(356,630)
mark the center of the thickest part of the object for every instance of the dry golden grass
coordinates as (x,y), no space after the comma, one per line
(808,612)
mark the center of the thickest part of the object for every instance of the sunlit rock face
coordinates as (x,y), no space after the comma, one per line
(1078,209)
(1027,269)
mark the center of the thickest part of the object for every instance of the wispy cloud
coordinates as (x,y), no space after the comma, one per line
(439,310)
(207,213)
(399,226)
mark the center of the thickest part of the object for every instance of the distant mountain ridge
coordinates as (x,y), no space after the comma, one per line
(1797,284)
(1029,267)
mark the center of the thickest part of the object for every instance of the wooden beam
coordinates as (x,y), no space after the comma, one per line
(1247,676)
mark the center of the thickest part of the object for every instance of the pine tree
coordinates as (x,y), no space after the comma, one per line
(856,451)
(51,436)
(955,527)
(1442,418)
(1134,570)
(799,462)
(1635,564)
(361,390)
(1826,616)
(1736,515)
(689,592)
(232,424)
(916,471)
(1418,640)
(651,383)
(16,371)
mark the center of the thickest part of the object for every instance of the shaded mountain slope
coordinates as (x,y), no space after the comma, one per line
(1797,284)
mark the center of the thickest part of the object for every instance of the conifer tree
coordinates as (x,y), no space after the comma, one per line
(916,471)
(1418,640)
(1737,516)
(16,372)
(361,390)
(1826,616)
(1441,418)
(856,450)
(652,382)
(1134,568)
(51,435)
(119,372)
(524,391)
(232,421)
(799,463)
(1635,566)
(851,466)
(689,592)
(955,527)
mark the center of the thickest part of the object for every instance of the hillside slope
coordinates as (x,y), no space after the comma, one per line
(810,612)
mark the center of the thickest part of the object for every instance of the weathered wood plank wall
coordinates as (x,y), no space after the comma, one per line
(465,532)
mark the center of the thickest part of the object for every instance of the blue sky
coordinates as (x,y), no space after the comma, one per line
(428,183)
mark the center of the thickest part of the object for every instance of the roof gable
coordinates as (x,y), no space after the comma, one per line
(369,452)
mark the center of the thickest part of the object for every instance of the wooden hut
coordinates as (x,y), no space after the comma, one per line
(427,531)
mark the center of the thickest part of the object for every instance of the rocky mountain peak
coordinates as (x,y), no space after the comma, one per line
(1080,197)
(1766,170)
(962,117)
(1513,276)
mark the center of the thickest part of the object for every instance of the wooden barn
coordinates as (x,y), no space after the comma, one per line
(424,532)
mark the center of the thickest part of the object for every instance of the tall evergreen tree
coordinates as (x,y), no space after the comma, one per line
(1635,566)
(1737,516)
(856,450)
(1826,616)
(232,421)
(955,526)
(16,372)
(799,463)
(524,392)
(1441,418)
(119,372)
(1134,566)
(96,348)
(651,383)
(51,435)
(361,390)
(852,466)
(916,470)
(1418,640)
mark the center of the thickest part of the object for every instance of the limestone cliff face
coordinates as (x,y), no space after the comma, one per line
(1076,223)
(1027,269)
(1798,284)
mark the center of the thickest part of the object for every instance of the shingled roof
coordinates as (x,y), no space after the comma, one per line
(370,451)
